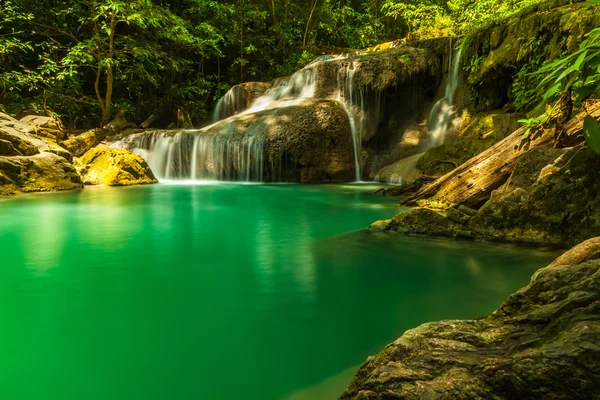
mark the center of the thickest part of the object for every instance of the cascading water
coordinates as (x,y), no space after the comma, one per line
(195,155)
(301,86)
(444,111)
(233,102)
(345,95)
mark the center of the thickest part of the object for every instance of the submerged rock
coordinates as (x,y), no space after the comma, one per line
(543,342)
(113,167)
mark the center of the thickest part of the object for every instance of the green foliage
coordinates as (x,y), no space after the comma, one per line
(578,72)
(591,131)
(571,79)
(533,124)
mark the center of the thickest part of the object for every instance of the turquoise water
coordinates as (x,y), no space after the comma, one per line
(221,291)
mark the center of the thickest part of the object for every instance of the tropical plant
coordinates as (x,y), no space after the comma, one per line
(569,81)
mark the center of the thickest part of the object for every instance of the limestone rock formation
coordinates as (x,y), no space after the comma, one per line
(497,51)
(42,172)
(30,160)
(307,142)
(239,98)
(113,167)
(543,342)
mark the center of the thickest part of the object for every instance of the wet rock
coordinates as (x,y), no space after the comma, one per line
(543,342)
(422,221)
(113,167)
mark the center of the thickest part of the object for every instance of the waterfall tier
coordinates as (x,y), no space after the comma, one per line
(309,127)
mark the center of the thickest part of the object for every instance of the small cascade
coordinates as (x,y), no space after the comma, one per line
(290,91)
(233,102)
(198,156)
(444,111)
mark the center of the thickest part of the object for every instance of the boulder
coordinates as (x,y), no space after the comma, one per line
(42,122)
(527,171)
(560,210)
(38,173)
(543,342)
(113,167)
(46,126)
(24,137)
(309,141)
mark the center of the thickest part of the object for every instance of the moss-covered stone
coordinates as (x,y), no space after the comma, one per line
(561,209)
(443,158)
(543,342)
(113,167)
(42,172)
(494,54)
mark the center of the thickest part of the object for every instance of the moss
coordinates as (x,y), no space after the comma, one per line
(442,159)
(494,54)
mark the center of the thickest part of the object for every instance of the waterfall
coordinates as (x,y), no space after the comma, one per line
(444,111)
(300,86)
(290,91)
(239,156)
(195,155)
(345,95)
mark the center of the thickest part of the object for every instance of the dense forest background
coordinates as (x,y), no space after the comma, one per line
(82,60)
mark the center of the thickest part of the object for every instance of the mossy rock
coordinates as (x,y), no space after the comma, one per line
(541,343)
(495,53)
(560,210)
(440,160)
(42,172)
(113,167)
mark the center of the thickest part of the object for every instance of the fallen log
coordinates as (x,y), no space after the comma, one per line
(472,183)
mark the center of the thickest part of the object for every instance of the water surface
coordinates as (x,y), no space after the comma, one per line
(221,291)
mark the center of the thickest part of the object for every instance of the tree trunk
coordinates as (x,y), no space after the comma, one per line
(312,10)
(109,71)
(472,183)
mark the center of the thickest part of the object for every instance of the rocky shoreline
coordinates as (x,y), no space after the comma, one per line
(34,158)
(541,343)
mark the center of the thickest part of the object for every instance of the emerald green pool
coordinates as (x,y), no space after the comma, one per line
(221,291)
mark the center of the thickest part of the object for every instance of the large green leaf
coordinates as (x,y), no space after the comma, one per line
(591,131)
